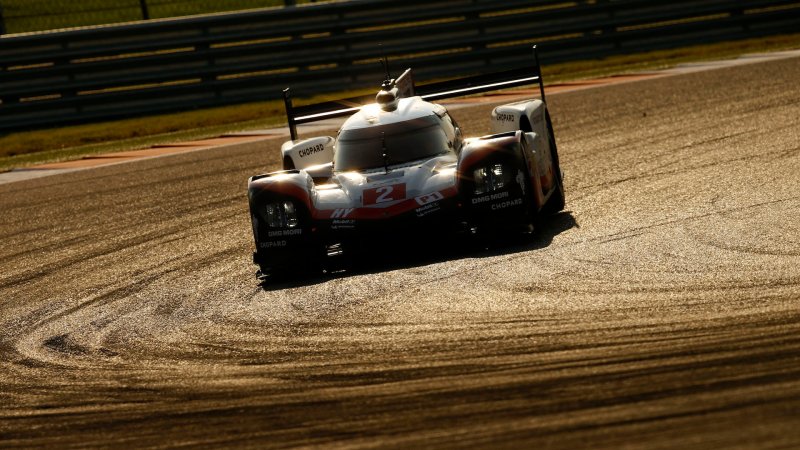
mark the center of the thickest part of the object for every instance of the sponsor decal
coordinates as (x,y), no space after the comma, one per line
(429,198)
(345,224)
(311,150)
(505,117)
(423,211)
(506,204)
(384,194)
(273,244)
(341,213)
(490,197)
(295,232)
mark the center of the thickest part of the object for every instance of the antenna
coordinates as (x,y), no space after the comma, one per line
(385,63)
(386,67)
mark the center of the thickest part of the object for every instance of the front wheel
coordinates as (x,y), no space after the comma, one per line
(306,264)
(514,213)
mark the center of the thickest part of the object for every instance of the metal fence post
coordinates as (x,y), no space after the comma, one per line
(739,15)
(145,12)
(608,31)
(2,21)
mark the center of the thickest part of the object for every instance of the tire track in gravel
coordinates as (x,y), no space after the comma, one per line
(659,311)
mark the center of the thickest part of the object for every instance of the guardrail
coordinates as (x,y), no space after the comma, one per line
(82,75)
(25,16)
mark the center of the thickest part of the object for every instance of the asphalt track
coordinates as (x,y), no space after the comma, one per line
(661,310)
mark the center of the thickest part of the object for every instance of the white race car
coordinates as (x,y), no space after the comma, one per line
(400,168)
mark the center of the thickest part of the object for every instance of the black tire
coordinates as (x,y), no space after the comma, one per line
(489,235)
(556,201)
(532,212)
(312,266)
(307,261)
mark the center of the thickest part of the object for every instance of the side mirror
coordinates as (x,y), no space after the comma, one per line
(307,153)
(320,174)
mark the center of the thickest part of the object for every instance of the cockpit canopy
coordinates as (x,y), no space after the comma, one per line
(360,149)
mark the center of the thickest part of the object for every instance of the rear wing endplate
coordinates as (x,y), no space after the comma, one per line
(405,84)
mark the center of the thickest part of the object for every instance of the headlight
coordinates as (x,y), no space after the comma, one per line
(291,214)
(281,215)
(490,178)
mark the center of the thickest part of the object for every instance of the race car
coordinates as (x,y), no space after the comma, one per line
(400,168)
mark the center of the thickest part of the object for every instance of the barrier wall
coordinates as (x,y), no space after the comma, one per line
(83,75)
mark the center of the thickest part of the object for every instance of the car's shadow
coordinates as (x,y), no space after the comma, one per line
(383,259)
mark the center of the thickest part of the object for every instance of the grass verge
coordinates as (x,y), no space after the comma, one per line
(60,144)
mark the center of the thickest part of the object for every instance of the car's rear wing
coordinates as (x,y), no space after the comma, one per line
(405,84)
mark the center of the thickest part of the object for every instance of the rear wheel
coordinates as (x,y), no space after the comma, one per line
(556,201)
(531,212)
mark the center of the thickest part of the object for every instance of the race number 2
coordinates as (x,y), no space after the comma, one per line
(383,194)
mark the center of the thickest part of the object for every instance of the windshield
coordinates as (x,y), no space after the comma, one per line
(411,140)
